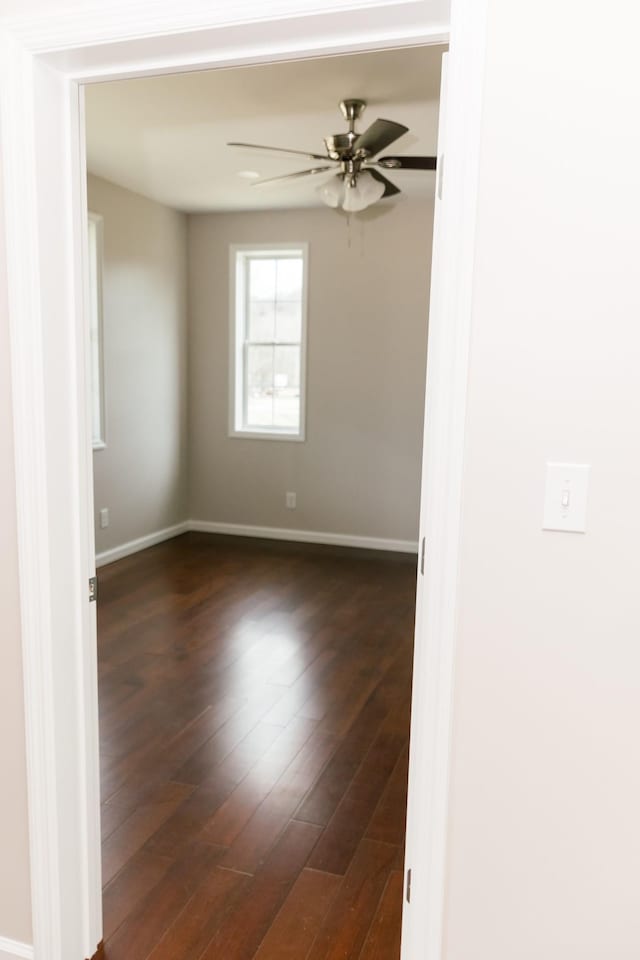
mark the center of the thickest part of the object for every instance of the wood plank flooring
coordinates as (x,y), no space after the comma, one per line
(254,705)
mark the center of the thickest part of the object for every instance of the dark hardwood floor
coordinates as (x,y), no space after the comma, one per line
(254,704)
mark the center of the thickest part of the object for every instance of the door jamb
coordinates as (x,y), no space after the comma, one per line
(448,363)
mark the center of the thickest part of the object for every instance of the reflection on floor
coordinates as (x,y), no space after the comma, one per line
(254,703)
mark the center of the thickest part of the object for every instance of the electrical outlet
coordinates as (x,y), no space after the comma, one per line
(291,501)
(104,518)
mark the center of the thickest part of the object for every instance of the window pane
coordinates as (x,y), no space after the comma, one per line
(260,386)
(259,411)
(287,368)
(289,282)
(288,322)
(270,315)
(262,279)
(262,321)
(286,409)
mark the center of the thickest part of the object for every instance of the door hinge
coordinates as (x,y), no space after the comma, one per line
(422,552)
(408,886)
(93,589)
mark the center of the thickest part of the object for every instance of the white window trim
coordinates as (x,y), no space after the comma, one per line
(236,400)
(98,220)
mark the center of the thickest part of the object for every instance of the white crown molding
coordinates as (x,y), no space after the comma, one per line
(14,950)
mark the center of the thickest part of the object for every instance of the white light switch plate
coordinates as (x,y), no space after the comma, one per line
(565,497)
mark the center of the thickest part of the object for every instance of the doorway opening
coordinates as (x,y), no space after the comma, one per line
(257,591)
(50,57)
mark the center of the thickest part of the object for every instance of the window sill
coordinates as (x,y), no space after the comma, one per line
(99,445)
(254,434)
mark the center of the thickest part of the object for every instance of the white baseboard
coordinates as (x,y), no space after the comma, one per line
(305,536)
(260,533)
(12,950)
(134,546)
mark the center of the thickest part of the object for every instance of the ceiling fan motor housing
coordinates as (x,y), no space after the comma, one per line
(342,146)
(339,145)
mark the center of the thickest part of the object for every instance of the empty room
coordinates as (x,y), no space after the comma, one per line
(259,271)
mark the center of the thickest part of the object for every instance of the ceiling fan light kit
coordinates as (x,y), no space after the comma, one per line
(353,194)
(363,191)
(357,183)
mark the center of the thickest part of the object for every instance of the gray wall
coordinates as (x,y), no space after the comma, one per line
(141,476)
(358,470)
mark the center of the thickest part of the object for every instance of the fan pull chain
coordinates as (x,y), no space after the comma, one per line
(348,231)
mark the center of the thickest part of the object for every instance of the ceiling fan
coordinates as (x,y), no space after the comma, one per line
(358,182)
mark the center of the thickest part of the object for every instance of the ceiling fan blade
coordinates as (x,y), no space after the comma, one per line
(408,163)
(378,136)
(301,153)
(390,189)
(291,176)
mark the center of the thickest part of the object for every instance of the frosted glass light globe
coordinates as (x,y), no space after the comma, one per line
(332,191)
(365,192)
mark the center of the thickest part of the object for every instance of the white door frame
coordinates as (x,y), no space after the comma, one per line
(442,470)
(44,62)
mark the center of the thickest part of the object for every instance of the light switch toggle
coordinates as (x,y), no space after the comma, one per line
(565,499)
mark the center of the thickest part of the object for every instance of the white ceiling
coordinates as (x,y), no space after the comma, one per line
(165,137)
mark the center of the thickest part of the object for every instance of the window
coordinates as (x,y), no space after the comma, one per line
(96,368)
(268,338)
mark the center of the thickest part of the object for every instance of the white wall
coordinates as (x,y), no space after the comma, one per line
(545,838)
(141,476)
(15,898)
(358,470)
